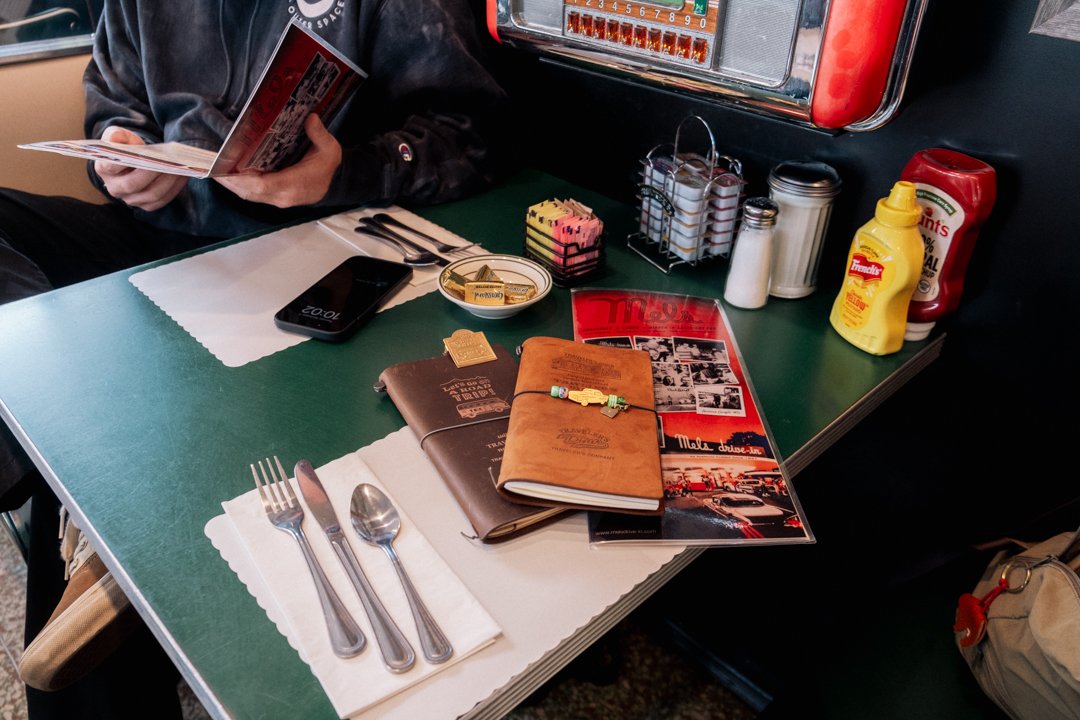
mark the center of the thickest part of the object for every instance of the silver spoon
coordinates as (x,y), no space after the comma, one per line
(408,256)
(376,521)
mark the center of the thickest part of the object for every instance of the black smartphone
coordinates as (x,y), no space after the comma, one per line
(334,308)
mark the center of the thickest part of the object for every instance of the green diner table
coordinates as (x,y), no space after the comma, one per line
(143,433)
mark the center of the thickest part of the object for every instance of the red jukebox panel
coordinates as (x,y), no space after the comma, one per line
(828,63)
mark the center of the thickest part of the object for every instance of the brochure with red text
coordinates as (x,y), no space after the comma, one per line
(304,76)
(724,482)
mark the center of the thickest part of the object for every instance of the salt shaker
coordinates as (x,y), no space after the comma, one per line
(748,276)
(804,192)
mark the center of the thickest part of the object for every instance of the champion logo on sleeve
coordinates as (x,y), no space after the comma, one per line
(406,152)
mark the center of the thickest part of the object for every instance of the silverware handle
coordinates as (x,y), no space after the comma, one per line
(417,257)
(439,244)
(436,647)
(397,237)
(398,655)
(372,232)
(386,219)
(345,636)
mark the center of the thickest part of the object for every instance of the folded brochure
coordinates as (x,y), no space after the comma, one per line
(723,479)
(304,76)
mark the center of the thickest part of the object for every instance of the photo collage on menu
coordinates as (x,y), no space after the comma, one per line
(689,374)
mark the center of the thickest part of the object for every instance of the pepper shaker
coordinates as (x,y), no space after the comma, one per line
(748,276)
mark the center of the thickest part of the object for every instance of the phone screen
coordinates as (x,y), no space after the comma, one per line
(334,308)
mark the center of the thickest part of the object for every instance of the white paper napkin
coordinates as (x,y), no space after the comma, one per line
(226,298)
(357,683)
(542,589)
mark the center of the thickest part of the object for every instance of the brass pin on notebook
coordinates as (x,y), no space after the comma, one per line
(468,348)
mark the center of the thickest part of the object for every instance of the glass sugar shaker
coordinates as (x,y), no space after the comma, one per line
(804,192)
(748,277)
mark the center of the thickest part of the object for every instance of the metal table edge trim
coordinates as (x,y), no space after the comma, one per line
(510,695)
(164,638)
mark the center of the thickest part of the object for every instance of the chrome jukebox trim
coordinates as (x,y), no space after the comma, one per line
(901,66)
(530,30)
(537,27)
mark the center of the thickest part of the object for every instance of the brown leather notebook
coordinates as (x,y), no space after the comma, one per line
(560,453)
(443,405)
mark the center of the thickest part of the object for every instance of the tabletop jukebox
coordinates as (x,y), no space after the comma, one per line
(828,63)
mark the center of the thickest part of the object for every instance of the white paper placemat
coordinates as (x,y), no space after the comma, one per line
(226,298)
(540,588)
(287,592)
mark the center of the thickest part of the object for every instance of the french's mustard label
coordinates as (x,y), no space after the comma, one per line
(869,272)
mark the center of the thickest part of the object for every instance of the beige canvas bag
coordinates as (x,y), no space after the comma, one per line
(1028,659)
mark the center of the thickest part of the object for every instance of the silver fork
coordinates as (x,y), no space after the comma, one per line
(285,513)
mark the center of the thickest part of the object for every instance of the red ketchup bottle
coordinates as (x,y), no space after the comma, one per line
(956,193)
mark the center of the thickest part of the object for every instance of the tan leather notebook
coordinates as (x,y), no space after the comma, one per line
(460,414)
(560,453)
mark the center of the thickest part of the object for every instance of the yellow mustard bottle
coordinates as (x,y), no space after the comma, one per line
(883,268)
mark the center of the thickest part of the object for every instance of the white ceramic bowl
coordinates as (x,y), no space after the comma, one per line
(510,268)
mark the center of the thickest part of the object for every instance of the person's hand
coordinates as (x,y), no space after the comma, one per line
(304,183)
(143,189)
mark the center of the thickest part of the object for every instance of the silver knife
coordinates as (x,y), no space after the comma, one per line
(397,654)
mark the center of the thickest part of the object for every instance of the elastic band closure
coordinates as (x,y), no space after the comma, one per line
(548,393)
(507,417)
(452,427)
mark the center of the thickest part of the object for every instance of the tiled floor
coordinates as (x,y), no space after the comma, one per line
(647,678)
(12,614)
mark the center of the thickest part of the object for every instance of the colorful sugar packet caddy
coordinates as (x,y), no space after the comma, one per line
(565,237)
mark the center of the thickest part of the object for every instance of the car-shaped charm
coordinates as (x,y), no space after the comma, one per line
(588,396)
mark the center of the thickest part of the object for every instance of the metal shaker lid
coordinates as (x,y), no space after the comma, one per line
(759,212)
(810,179)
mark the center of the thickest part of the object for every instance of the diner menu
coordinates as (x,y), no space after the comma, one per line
(724,482)
(304,76)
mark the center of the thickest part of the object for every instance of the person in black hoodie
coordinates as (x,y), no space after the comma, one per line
(422,129)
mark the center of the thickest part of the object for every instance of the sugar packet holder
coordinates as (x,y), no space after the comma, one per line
(566,238)
(567,276)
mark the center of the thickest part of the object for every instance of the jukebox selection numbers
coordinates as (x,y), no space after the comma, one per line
(682,30)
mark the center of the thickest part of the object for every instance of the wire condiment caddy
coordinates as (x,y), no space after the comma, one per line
(690,204)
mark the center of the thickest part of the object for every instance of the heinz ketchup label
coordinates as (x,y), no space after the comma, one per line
(956,193)
(942,217)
